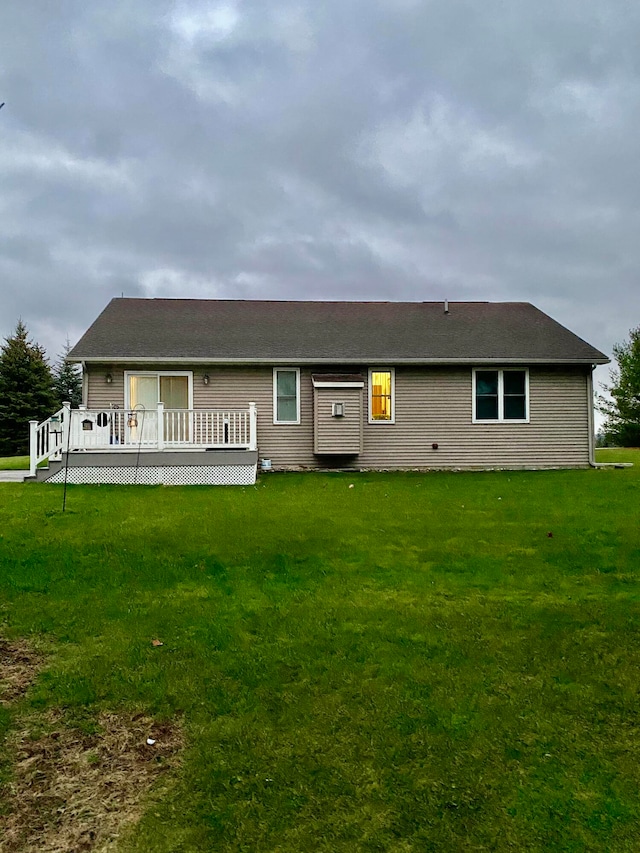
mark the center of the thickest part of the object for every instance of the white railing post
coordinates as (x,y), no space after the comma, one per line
(253,427)
(160,426)
(33,447)
(78,437)
(65,433)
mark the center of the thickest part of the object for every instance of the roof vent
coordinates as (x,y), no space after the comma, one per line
(446,306)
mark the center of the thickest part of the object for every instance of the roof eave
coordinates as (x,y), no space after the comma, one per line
(110,359)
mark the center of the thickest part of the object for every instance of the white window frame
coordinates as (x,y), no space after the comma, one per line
(277,370)
(501,418)
(392,419)
(158,373)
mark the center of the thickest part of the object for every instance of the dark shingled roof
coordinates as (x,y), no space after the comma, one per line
(212,330)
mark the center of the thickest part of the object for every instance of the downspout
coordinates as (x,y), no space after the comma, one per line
(592,438)
(85,383)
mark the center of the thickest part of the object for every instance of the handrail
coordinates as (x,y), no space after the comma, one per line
(46,440)
(157,428)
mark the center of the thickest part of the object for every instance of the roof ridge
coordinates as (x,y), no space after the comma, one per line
(318,301)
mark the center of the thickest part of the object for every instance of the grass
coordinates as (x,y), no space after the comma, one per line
(411,664)
(14,463)
(618,454)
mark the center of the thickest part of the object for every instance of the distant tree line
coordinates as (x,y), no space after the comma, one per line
(31,389)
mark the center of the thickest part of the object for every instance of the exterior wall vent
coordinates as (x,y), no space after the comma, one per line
(337,410)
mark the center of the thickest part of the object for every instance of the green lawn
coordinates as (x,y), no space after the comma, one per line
(423,662)
(618,454)
(14,463)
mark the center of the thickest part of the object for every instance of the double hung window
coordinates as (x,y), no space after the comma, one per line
(500,395)
(286,395)
(381,396)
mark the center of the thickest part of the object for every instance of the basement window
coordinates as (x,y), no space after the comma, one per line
(500,395)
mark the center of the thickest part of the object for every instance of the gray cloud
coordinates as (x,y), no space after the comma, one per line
(385,150)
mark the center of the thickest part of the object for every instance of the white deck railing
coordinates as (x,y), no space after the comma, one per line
(149,429)
(45,439)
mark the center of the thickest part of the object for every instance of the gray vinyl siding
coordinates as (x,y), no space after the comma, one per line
(102,394)
(431,405)
(338,435)
(435,406)
(287,445)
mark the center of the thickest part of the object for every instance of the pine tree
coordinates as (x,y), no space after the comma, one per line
(26,390)
(622,425)
(67,380)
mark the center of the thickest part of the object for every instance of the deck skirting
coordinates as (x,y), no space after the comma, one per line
(152,468)
(156,475)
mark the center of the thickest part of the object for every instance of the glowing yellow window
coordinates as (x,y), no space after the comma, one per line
(381,395)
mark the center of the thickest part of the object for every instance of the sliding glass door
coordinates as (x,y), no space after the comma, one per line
(143,393)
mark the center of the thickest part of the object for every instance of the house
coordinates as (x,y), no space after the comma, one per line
(201,391)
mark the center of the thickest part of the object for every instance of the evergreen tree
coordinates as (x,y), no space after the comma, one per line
(622,426)
(67,380)
(26,390)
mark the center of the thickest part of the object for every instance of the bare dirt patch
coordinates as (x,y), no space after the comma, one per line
(71,790)
(19,665)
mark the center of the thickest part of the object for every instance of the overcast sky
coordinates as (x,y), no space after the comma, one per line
(367,149)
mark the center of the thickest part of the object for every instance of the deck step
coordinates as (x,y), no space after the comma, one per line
(44,474)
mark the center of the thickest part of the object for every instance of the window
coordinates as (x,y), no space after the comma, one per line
(381,396)
(286,396)
(501,395)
